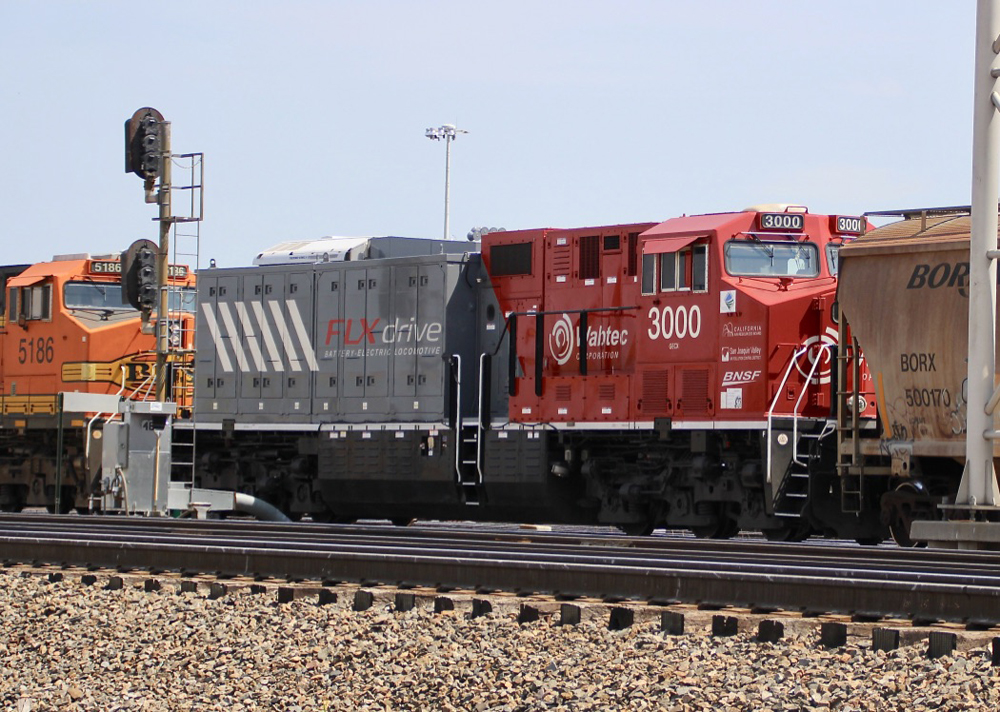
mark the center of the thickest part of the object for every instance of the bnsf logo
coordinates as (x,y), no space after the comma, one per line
(943,274)
(733,378)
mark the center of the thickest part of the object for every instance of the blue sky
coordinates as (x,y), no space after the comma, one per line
(312,114)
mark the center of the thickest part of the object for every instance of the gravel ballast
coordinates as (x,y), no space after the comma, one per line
(72,647)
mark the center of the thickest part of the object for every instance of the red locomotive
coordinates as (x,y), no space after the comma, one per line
(685,366)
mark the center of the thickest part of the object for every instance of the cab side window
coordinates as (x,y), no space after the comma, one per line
(31,303)
(685,270)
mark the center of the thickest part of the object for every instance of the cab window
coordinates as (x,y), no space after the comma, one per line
(832,258)
(685,270)
(183,299)
(94,295)
(31,303)
(107,296)
(746,258)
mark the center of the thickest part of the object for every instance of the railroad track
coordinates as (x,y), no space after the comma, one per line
(923,585)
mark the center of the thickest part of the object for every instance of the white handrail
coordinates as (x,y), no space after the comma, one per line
(795,411)
(479,422)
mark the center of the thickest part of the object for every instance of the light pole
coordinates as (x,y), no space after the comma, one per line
(448,132)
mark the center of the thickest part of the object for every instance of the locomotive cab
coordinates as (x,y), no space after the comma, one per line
(66,329)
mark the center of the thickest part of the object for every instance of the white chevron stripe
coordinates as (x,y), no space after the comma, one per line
(265,328)
(234,336)
(300,329)
(279,321)
(213,329)
(251,336)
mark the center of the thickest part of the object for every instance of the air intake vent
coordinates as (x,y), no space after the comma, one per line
(590,257)
(510,260)
(655,391)
(694,391)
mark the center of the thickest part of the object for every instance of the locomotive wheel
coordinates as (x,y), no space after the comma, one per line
(899,527)
(869,540)
(787,533)
(900,532)
(14,497)
(636,528)
(722,528)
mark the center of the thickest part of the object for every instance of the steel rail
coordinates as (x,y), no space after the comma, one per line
(736,559)
(917,560)
(585,573)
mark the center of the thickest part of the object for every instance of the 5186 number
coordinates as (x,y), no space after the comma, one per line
(40,350)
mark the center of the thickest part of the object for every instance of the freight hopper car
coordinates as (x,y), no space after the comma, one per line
(64,329)
(681,374)
(904,297)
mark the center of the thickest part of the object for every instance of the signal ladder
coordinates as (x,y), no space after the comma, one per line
(185,249)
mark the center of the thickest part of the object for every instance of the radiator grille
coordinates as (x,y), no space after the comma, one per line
(694,391)
(655,391)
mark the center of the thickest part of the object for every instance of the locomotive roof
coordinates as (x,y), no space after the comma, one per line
(695,224)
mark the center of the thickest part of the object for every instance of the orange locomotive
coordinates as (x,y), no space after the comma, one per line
(64,328)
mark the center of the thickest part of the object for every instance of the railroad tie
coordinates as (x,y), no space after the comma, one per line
(569,614)
(833,635)
(672,623)
(769,631)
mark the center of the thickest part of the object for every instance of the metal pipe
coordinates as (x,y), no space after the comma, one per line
(162,261)
(258,508)
(447,180)
(979,485)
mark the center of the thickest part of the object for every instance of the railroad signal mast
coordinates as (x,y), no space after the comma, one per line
(148,155)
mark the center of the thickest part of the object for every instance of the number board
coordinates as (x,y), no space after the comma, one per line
(108,267)
(848,225)
(786,222)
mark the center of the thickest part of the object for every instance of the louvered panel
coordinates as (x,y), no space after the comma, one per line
(562,260)
(655,391)
(694,391)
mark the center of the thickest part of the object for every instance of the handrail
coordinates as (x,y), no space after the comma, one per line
(795,410)
(90,423)
(798,402)
(479,421)
(457,360)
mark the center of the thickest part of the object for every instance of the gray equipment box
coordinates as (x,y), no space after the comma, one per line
(378,340)
(135,471)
